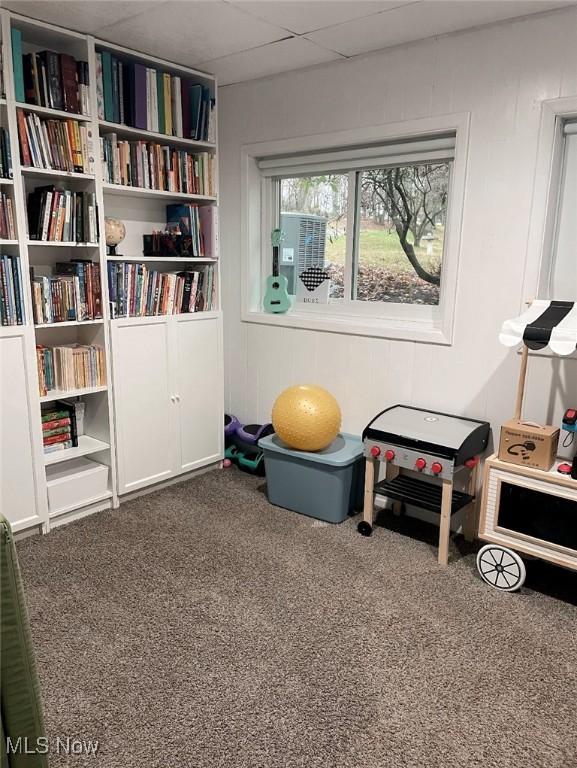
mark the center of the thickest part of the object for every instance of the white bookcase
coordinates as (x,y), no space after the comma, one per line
(160,413)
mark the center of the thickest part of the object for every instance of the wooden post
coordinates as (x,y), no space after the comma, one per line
(470,526)
(369,491)
(445,526)
(521,384)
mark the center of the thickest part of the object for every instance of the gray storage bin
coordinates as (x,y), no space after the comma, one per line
(325,484)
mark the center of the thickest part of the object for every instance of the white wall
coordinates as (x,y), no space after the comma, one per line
(500,74)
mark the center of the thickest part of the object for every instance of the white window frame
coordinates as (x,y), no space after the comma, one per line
(433,324)
(546,189)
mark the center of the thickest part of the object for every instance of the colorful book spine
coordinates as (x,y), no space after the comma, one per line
(70,367)
(63,145)
(136,291)
(73,293)
(154,166)
(16,37)
(107,81)
(99,88)
(11,293)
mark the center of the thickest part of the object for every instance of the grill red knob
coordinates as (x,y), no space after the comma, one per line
(375,451)
(420,463)
(436,468)
(389,455)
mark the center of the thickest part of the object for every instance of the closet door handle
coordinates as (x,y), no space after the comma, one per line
(177,398)
(173,398)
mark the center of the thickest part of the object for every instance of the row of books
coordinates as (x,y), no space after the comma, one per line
(153,166)
(62,215)
(72,293)
(136,291)
(6,171)
(60,427)
(69,367)
(50,79)
(7,225)
(62,145)
(11,293)
(132,94)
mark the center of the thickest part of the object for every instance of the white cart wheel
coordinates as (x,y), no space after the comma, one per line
(500,567)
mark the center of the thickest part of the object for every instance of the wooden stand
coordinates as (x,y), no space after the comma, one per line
(469,524)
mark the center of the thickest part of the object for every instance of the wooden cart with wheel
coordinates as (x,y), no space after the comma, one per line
(527,511)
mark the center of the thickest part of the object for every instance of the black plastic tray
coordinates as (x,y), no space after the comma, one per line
(420,493)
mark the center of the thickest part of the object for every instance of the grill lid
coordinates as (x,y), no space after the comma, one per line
(415,424)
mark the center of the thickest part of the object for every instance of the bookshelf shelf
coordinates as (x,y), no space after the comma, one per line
(160,194)
(71,393)
(3,102)
(86,446)
(7,182)
(8,242)
(59,244)
(55,113)
(126,131)
(212,314)
(68,324)
(50,172)
(162,259)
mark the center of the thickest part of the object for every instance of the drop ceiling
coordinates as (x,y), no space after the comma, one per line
(241,40)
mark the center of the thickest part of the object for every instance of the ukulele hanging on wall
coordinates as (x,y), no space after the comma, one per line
(276,297)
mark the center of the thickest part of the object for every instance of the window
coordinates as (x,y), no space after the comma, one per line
(397,232)
(563,272)
(378,209)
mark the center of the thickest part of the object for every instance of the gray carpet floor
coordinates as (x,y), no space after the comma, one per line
(199,627)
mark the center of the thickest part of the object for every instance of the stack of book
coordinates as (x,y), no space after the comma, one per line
(153,166)
(50,79)
(61,145)
(11,293)
(69,367)
(132,94)
(7,226)
(61,215)
(6,171)
(73,293)
(59,430)
(136,291)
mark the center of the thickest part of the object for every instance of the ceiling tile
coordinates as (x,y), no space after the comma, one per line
(80,15)
(302,16)
(285,55)
(191,32)
(421,20)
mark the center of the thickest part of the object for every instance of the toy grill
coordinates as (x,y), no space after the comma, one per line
(421,451)
(432,444)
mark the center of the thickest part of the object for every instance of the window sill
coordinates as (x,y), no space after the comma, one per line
(425,332)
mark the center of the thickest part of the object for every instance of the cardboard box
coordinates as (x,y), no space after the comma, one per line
(528,444)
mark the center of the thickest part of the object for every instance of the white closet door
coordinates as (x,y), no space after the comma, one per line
(18,481)
(198,386)
(144,402)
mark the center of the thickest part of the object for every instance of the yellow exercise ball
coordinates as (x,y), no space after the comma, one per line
(306,417)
